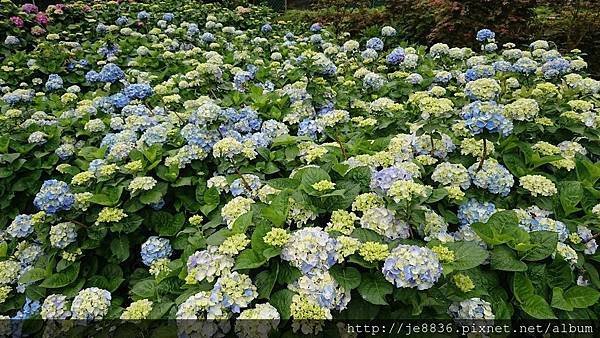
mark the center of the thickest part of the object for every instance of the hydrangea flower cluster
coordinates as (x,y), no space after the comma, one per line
(311,250)
(54,196)
(155,248)
(411,266)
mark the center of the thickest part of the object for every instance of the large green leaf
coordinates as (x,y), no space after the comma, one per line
(349,278)
(374,288)
(570,194)
(63,278)
(537,307)
(467,255)
(249,259)
(502,227)
(544,245)
(505,259)
(581,296)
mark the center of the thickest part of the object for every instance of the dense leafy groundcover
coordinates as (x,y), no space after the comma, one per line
(186,161)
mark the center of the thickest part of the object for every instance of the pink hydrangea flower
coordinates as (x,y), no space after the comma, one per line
(17,21)
(41,18)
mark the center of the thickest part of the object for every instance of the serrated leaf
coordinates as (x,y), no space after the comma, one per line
(537,307)
(559,301)
(374,288)
(503,258)
(277,211)
(265,281)
(581,296)
(349,278)
(63,278)
(144,289)
(544,245)
(282,300)
(467,255)
(249,259)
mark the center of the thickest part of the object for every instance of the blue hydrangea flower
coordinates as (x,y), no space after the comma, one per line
(53,197)
(486,116)
(168,17)
(119,100)
(92,76)
(383,179)
(122,21)
(155,248)
(375,43)
(21,226)
(208,37)
(485,35)
(525,65)
(396,56)
(111,73)
(474,211)
(310,128)
(240,187)
(315,27)
(266,28)
(410,266)
(55,82)
(555,67)
(502,66)
(143,15)
(492,176)
(311,250)
(158,205)
(138,91)
(479,72)
(30,308)
(193,29)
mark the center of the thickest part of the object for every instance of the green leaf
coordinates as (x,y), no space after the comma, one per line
(502,227)
(3,249)
(537,307)
(144,289)
(505,259)
(151,196)
(570,195)
(366,235)
(109,196)
(242,223)
(63,278)
(437,195)
(265,281)
(287,274)
(33,275)
(160,309)
(249,259)
(559,274)
(581,296)
(559,301)
(212,198)
(311,176)
(544,245)
(218,237)
(373,288)
(4,141)
(120,248)
(467,255)
(282,300)
(349,278)
(277,211)
(173,227)
(522,287)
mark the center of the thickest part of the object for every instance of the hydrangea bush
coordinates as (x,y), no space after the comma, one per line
(186,161)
